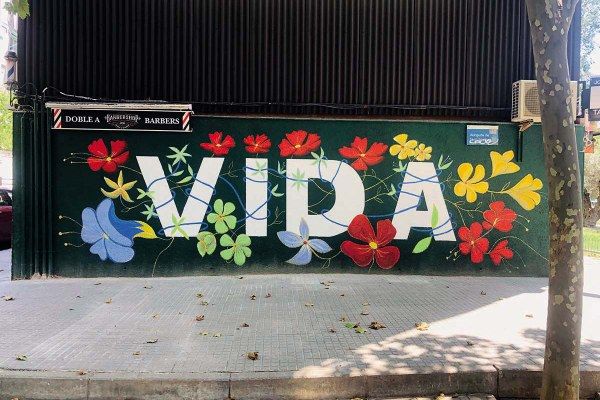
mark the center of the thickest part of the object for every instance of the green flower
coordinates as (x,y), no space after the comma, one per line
(177,226)
(207,243)
(149,213)
(298,178)
(179,155)
(222,217)
(237,250)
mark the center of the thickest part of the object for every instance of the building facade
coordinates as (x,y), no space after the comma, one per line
(277,136)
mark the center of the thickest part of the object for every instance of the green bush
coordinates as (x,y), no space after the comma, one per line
(5,121)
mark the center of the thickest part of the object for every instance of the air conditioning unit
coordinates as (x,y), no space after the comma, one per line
(526,103)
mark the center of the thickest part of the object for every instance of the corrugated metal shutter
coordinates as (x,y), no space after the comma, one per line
(392,57)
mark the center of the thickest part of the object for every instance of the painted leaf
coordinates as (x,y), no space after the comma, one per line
(434,217)
(392,190)
(274,191)
(422,245)
(185,180)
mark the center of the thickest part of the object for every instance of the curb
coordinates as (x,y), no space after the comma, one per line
(44,385)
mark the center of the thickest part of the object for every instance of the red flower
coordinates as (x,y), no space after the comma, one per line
(499,217)
(501,252)
(100,158)
(375,248)
(473,242)
(299,143)
(256,144)
(364,158)
(217,145)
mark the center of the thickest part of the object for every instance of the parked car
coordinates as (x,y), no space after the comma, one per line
(5,216)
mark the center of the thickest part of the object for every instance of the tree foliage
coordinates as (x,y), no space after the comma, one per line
(590,27)
(18,7)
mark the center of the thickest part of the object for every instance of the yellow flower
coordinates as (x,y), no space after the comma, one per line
(502,163)
(525,192)
(470,182)
(423,153)
(120,188)
(405,148)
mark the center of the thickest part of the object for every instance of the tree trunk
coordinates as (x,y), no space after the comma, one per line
(550,21)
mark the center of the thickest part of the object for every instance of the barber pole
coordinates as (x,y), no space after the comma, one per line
(10,76)
(186,121)
(57,120)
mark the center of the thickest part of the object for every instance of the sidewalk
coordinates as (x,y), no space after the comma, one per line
(132,334)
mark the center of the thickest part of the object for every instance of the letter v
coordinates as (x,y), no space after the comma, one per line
(197,202)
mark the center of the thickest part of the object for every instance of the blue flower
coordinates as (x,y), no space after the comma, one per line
(111,237)
(307,246)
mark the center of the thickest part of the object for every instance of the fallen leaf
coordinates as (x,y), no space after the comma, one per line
(364,312)
(253,297)
(7,298)
(268,295)
(483,293)
(377,325)
(136,353)
(199,295)
(199,317)
(352,325)
(309,305)
(147,287)
(529,315)
(343,318)
(366,304)
(97,283)
(253,355)
(204,303)
(22,357)
(108,301)
(81,372)
(422,326)
(359,329)
(332,330)
(152,341)
(245,325)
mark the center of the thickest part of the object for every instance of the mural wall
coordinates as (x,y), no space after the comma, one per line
(240,195)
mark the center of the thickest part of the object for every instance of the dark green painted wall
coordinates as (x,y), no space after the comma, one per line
(74,187)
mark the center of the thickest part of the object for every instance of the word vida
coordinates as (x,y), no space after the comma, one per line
(420,182)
